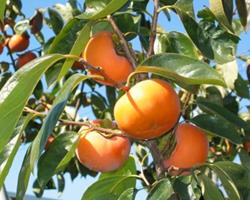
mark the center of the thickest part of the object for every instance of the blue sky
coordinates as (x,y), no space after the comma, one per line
(75,189)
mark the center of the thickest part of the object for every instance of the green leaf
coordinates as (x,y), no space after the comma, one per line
(181,69)
(109,188)
(245,158)
(236,175)
(128,194)
(97,9)
(24,176)
(16,92)
(53,115)
(186,6)
(62,149)
(242,11)
(241,87)
(177,42)
(218,110)
(63,41)
(77,49)
(60,183)
(197,34)
(217,126)
(2,9)
(8,154)
(56,20)
(161,191)
(223,11)
(209,189)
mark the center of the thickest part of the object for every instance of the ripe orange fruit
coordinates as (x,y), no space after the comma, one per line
(18,43)
(191,147)
(100,52)
(49,141)
(148,110)
(102,154)
(25,58)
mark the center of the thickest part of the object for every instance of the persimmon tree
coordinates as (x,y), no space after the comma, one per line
(177,101)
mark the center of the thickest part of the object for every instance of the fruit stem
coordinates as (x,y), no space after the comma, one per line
(157,157)
(153,29)
(129,53)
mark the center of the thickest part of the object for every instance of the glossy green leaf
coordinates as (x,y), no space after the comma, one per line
(241,87)
(76,49)
(97,9)
(53,116)
(239,176)
(242,11)
(162,190)
(60,183)
(24,176)
(16,92)
(185,6)
(128,194)
(55,21)
(63,42)
(8,154)
(209,189)
(177,42)
(108,188)
(197,34)
(63,147)
(2,9)
(181,69)
(218,110)
(217,126)
(223,11)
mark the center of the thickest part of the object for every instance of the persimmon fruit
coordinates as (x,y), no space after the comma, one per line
(18,42)
(247,146)
(148,110)
(50,140)
(102,154)
(100,52)
(25,58)
(191,147)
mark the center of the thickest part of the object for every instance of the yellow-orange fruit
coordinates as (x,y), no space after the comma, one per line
(25,58)
(148,110)
(18,43)
(191,147)
(49,141)
(100,52)
(102,154)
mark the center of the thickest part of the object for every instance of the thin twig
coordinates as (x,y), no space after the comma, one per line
(129,53)
(153,29)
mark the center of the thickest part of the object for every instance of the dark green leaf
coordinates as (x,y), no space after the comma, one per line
(64,40)
(222,112)
(56,20)
(16,92)
(217,126)
(161,191)
(4,77)
(196,33)
(53,115)
(242,11)
(181,69)
(97,9)
(77,49)
(49,163)
(185,6)
(128,194)
(223,11)
(245,158)
(60,183)
(209,189)
(241,87)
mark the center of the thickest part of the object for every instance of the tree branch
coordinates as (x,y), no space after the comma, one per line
(153,29)
(129,53)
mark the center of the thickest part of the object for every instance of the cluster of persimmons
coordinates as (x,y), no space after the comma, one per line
(147,110)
